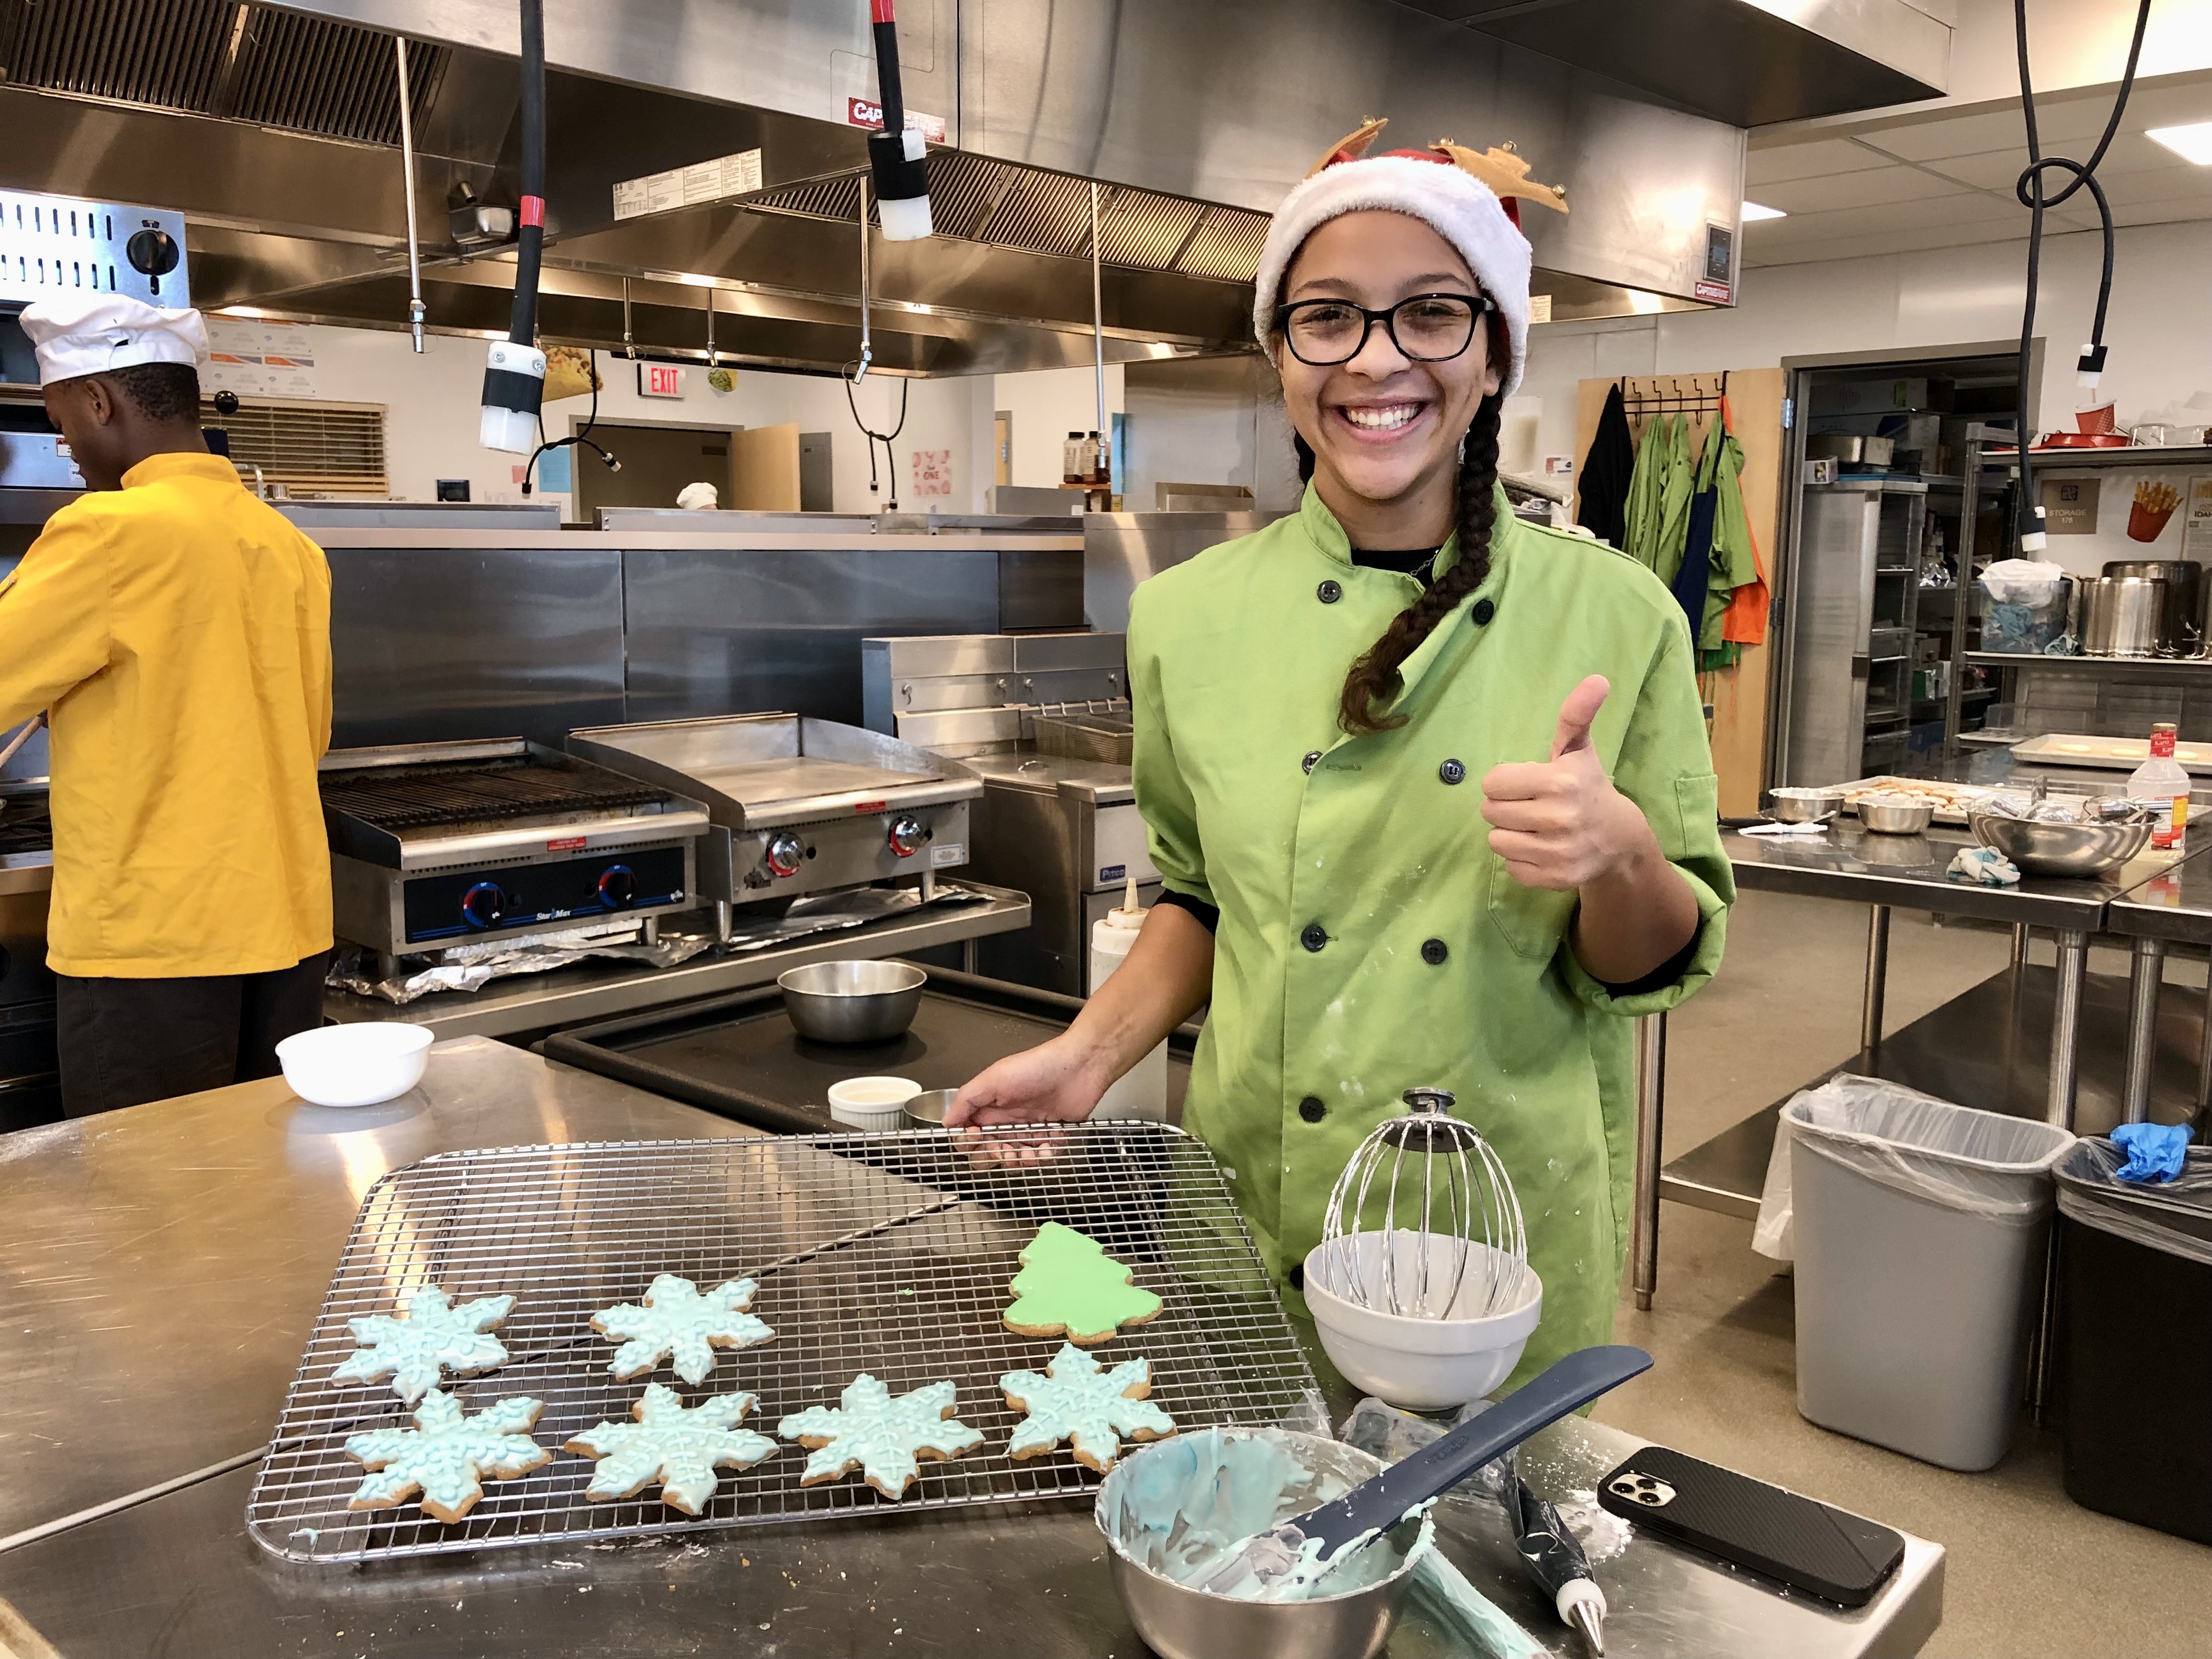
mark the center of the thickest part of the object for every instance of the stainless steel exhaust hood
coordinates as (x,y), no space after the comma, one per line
(270,127)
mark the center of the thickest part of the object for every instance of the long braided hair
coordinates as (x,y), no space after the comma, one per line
(1374,679)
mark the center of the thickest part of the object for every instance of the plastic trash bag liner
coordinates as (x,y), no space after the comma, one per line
(1771,1234)
(1955,1156)
(2175,1217)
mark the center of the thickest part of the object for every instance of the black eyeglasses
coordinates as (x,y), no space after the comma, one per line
(1427,328)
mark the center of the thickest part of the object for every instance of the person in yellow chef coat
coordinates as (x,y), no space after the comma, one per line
(1428,787)
(176,630)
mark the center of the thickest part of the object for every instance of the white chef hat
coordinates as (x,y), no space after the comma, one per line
(80,334)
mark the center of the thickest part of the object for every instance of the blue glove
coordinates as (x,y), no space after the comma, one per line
(2155,1150)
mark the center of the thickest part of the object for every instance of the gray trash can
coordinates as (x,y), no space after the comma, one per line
(1921,1227)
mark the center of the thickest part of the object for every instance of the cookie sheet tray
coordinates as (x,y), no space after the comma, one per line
(888,1254)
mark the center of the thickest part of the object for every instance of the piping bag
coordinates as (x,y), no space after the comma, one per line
(1281,1562)
(1554,1560)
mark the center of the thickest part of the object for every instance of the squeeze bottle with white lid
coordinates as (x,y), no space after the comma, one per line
(2161,779)
(1142,1090)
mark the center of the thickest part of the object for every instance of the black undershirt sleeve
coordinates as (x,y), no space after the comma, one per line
(1664,974)
(1209,915)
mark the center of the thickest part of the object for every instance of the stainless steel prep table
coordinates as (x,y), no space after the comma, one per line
(601,990)
(224,1213)
(2171,907)
(2037,1016)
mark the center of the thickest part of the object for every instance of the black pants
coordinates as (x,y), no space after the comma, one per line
(125,1042)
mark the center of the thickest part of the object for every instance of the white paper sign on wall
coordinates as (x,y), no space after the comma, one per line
(659,380)
(932,472)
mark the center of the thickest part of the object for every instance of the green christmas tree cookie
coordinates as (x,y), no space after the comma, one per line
(1069,1286)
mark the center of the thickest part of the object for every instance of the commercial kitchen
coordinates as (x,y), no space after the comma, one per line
(1020,881)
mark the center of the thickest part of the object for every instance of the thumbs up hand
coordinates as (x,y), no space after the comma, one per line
(1560,823)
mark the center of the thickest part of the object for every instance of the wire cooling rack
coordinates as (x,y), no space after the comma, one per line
(888,1254)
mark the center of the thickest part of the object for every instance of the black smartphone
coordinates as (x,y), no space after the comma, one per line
(1809,1546)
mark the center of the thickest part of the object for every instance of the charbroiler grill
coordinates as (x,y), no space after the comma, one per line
(799,805)
(438,844)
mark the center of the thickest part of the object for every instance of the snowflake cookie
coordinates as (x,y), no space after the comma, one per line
(432,1335)
(870,1431)
(1078,1400)
(1069,1286)
(677,1319)
(679,1448)
(448,1456)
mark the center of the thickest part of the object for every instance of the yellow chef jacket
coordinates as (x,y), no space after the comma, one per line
(1369,941)
(178,632)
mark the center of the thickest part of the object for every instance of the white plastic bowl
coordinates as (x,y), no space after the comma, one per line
(1420,1363)
(871,1103)
(358,1065)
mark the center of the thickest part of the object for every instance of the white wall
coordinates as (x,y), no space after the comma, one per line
(2158,329)
(430,432)
(1046,405)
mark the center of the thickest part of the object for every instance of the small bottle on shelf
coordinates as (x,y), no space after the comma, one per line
(2161,779)
(1074,470)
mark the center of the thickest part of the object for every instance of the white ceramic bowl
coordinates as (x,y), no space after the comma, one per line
(871,1103)
(358,1065)
(1420,1363)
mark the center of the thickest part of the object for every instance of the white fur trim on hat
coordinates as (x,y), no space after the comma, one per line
(85,334)
(1457,208)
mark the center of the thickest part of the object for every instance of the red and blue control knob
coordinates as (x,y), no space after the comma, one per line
(617,886)
(484,905)
(785,853)
(907,836)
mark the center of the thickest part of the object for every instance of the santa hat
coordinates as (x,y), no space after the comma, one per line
(80,334)
(1438,186)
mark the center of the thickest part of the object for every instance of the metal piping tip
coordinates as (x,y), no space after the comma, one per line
(1584,1618)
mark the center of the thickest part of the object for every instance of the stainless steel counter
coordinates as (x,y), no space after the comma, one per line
(600,990)
(161,1267)
(165,1265)
(1906,873)
(1981,1034)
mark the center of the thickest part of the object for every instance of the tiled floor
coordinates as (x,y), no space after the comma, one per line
(2029,1573)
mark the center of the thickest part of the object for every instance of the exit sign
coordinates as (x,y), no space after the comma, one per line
(659,380)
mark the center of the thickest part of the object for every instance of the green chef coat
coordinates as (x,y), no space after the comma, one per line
(1369,941)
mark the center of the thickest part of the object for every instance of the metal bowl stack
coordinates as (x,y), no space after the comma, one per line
(2043,848)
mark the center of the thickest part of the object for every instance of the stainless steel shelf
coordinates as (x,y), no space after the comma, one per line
(601,990)
(1990,1045)
(2109,668)
(2098,460)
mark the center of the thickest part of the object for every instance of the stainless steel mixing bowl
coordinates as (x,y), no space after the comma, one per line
(2060,849)
(1892,817)
(1804,806)
(852,1001)
(1179,1622)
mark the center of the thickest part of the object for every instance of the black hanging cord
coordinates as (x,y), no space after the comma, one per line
(582,435)
(2029,190)
(890,463)
(530,234)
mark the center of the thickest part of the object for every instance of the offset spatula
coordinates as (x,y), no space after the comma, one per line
(1377,1505)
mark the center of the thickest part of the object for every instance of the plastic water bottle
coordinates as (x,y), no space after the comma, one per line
(1142,1090)
(2161,778)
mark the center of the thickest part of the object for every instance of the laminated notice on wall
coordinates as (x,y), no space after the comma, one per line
(703,181)
(2196,528)
(256,358)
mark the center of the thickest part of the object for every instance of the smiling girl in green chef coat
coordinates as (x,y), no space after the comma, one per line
(1428,787)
